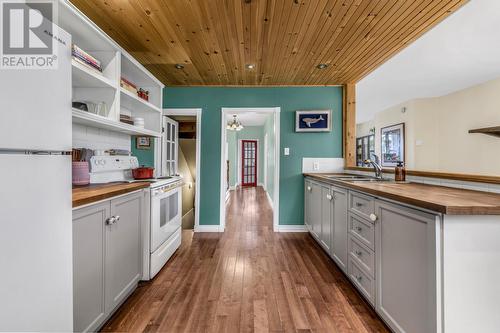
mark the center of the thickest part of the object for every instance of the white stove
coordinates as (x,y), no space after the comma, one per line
(162,226)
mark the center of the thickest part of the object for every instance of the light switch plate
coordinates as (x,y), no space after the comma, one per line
(286,151)
(315,166)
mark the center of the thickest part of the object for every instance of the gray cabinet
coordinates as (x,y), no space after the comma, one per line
(307,203)
(405,268)
(107,258)
(326,218)
(88,267)
(339,227)
(315,210)
(123,249)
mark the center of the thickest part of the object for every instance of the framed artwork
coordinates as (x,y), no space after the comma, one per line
(313,121)
(393,144)
(143,142)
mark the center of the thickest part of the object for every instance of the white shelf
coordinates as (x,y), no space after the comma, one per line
(93,120)
(84,77)
(134,103)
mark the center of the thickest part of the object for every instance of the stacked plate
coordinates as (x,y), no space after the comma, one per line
(139,122)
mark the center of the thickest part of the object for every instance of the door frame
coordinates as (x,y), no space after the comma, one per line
(256,166)
(192,112)
(275,111)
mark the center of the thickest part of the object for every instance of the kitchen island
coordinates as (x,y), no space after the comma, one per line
(426,257)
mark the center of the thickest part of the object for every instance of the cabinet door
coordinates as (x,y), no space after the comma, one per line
(123,248)
(339,217)
(315,210)
(405,268)
(326,217)
(88,267)
(307,203)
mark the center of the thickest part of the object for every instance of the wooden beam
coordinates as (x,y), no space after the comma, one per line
(349,122)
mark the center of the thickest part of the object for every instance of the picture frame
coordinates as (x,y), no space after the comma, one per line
(313,121)
(392,143)
(143,142)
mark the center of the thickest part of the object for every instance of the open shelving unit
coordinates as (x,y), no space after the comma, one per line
(94,86)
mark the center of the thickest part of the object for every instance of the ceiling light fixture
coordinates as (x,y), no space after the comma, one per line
(250,66)
(322,66)
(179,66)
(235,124)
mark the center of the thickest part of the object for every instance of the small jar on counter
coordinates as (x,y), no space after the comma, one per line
(400,172)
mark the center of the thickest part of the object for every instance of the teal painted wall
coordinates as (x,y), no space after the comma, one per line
(290,99)
(145,156)
(232,154)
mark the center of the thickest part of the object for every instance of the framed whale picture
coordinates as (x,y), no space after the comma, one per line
(313,121)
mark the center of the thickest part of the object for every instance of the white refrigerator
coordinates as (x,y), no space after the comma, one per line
(36,287)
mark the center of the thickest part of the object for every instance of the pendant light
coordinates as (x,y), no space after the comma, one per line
(234,125)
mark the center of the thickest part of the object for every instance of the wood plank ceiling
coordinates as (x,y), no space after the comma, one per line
(285,40)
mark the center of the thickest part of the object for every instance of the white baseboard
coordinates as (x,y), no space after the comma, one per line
(232,188)
(208,228)
(261,184)
(292,228)
(269,199)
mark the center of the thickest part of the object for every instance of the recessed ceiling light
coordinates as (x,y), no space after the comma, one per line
(179,66)
(322,66)
(250,66)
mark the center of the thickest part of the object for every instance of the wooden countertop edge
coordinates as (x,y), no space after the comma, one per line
(443,209)
(105,192)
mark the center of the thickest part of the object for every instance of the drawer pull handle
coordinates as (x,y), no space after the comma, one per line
(309,188)
(359,229)
(359,253)
(359,204)
(373,217)
(329,197)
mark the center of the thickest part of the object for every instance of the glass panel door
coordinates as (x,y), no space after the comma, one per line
(249,163)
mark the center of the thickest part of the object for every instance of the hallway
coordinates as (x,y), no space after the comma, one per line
(247,279)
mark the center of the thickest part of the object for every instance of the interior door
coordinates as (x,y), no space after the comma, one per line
(249,163)
(170,147)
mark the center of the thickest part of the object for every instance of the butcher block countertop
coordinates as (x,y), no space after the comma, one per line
(83,195)
(441,199)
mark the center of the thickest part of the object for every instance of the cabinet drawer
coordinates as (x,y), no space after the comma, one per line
(363,230)
(364,257)
(363,282)
(363,205)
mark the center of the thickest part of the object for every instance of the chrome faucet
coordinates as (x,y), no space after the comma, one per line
(375,162)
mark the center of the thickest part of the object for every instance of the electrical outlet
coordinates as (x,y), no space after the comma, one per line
(316,166)
(287,151)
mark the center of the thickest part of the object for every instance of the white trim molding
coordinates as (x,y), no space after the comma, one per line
(292,228)
(269,199)
(197,114)
(275,111)
(208,228)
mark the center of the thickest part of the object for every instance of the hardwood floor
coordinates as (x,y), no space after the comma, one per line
(247,279)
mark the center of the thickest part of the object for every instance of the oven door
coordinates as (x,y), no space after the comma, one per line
(165,215)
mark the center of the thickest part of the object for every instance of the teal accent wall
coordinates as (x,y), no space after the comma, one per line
(290,99)
(146,157)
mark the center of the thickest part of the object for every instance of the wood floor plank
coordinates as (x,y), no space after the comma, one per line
(247,279)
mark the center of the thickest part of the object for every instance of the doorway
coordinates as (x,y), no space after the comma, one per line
(188,161)
(244,163)
(248,163)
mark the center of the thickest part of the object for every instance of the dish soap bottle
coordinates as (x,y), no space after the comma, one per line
(400,172)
